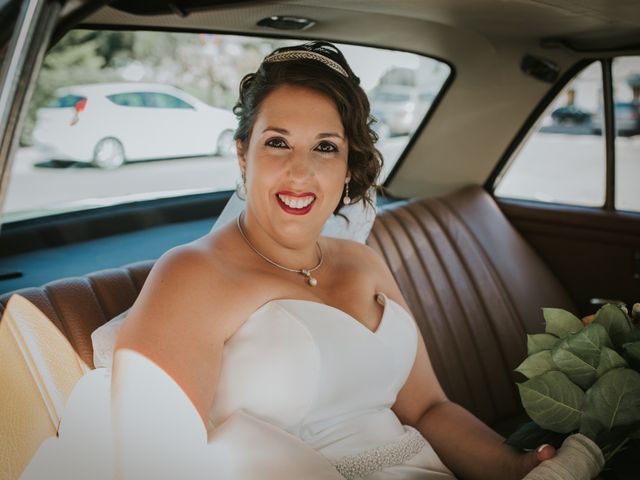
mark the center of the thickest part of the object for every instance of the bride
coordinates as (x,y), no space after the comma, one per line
(306,337)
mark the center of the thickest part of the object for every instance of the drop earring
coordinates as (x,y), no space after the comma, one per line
(346,199)
(241,189)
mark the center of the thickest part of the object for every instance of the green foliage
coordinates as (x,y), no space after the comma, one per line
(578,355)
(540,341)
(583,378)
(536,364)
(560,322)
(615,322)
(632,353)
(609,359)
(613,401)
(553,401)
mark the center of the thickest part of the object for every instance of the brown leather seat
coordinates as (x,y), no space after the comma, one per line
(473,284)
(79,305)
(476,289)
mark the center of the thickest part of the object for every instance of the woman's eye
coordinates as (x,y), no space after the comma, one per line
(276,143)
(327,147)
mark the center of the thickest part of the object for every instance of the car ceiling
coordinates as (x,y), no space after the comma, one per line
(484,40)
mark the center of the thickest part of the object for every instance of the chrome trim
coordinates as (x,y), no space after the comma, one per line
(24,56)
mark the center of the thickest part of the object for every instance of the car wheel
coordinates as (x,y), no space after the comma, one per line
(108,154)
(226,145)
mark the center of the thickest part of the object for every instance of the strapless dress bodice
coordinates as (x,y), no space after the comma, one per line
(304,365)
(321,375)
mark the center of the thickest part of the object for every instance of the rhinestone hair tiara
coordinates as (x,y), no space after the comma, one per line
(304,55)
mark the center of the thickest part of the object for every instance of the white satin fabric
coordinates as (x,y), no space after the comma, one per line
(322,376)
(303,387)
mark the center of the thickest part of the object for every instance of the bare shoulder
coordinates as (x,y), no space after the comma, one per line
(182,317)
(187,289)
(358,255)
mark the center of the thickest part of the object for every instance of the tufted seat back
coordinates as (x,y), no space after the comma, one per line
(476,289)
(473,284)
(79,305)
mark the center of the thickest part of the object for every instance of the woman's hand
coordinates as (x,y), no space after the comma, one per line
(528,461)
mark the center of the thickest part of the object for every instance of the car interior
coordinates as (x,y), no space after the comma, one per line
(475,260)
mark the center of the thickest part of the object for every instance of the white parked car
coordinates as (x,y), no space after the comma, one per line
(107,124)
(401,108)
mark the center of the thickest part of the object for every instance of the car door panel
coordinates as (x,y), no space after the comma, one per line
(594,253)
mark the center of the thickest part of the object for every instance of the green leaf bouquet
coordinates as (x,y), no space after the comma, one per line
(583,378)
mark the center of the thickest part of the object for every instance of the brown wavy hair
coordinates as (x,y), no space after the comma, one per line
(364,160)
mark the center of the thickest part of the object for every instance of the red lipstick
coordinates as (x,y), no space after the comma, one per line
(295,211)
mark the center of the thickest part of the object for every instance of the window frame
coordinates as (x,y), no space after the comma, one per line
(608,132)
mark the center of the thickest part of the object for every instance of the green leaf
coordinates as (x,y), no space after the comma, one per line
(632,351)
(632,336)
(578,355)
(578,370)
(536,364)
(613,401)
(588,342)
(614,321)
(609,359)
(560,322)
(552,401)
(539,342)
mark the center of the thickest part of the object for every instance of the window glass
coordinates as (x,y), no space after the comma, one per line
(563,159)
(127,99)
(65,101)
(626,92)
(162,100)
(85,152)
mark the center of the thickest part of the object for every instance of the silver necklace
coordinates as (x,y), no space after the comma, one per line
(302,271)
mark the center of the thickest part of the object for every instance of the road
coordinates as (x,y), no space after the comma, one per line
(37,186)
(551,167)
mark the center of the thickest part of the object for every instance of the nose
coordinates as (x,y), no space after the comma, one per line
(301,166)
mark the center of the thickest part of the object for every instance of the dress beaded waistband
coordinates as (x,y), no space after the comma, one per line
(387,455)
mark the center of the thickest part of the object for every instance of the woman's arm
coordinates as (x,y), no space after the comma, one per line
(173,323)
(465,444)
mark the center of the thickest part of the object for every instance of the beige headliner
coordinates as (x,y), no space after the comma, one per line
(484,40)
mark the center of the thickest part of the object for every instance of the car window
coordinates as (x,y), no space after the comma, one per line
(391,97)
(163,100)
(128,99)
(563,158)
(66,101)
(83,153)
(626,91)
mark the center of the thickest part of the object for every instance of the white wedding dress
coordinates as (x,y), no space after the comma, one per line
(322,376)
(305,391)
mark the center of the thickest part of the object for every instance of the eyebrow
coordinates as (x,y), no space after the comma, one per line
(284,131)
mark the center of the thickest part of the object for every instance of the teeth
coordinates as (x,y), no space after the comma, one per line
(295,202)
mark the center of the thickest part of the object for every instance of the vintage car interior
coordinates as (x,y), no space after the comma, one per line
(476,257)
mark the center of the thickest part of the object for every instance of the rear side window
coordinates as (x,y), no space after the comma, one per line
(66,101)
(563,159)
(163,100)
(127,99)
